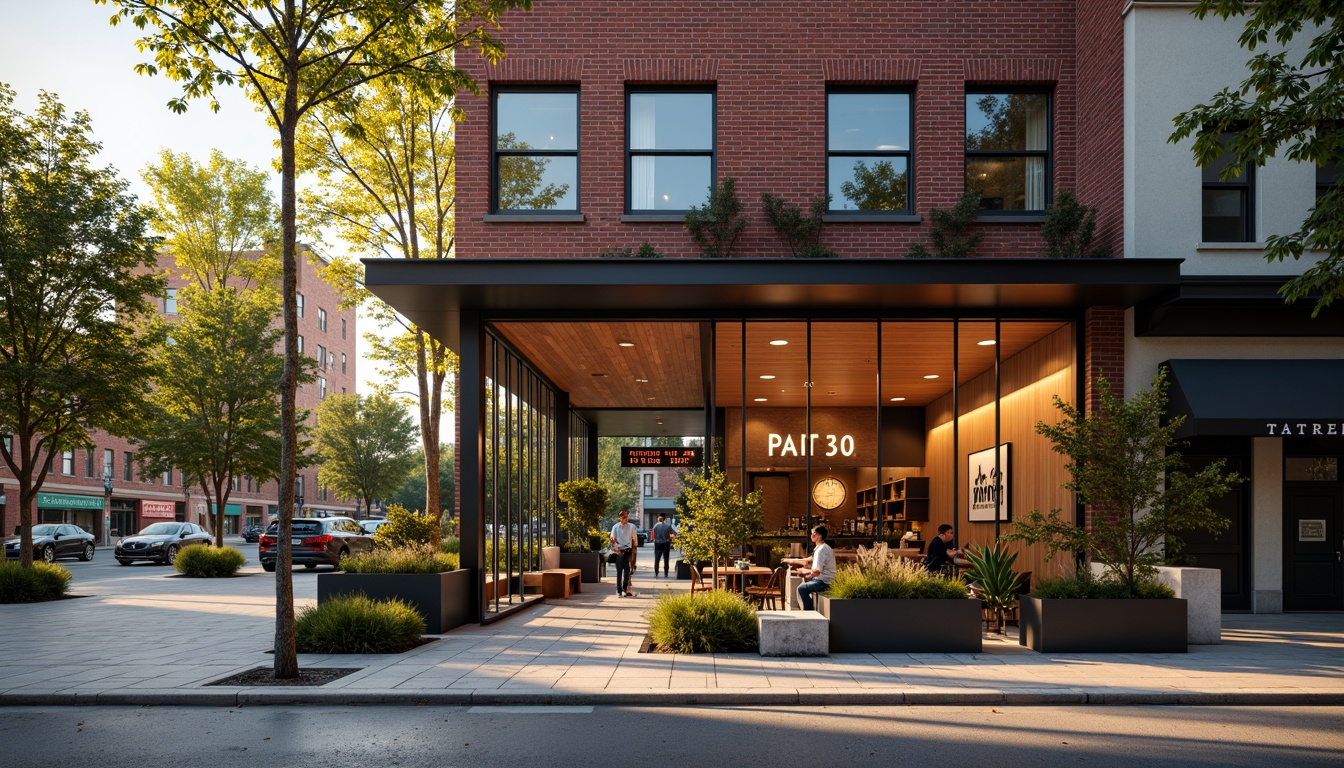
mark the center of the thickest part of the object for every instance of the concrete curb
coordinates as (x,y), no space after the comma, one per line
(260,696)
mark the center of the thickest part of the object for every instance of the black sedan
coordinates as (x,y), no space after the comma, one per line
(316,541)
(160,542)
(53,540)
(251,533)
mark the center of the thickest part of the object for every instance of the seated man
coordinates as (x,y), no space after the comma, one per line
(822,571)
(941,551)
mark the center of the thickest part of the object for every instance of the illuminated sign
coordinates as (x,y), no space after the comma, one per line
(787,445)
(661,457)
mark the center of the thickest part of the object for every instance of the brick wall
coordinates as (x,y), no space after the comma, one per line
(1104,352)
(771,69)
(1101,109)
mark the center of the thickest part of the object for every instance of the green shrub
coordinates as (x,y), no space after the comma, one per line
(710,622)
(209,562)
(356,624)
(878,577)
(496,561)
(420,559)
(405,529)
(450,545)
(1085,586)
(44,581)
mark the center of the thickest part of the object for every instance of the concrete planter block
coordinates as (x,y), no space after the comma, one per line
(793,633)
(442,598)
(1202,590)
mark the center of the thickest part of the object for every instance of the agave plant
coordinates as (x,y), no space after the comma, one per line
(995,581)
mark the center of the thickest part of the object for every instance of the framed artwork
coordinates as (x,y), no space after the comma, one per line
(988,487)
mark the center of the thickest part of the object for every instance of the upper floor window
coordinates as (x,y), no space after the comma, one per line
(669,150)
(536,150)
(1328,175)
(127,466)
(342,362)
(1008,150)
(88,463)
(109,458)
(321,388)
(1227,203)
(67,462)
(868,152)
(342,327)
(321,320)
(298,299)
(648,483)
(321,357)
(300,345)
(170,302)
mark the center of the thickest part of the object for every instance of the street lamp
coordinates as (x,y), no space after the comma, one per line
(107,507)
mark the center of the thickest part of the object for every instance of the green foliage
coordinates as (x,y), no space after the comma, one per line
(996,583)
(622,483)
(422,558)
(366,445)
(356,624)
(41,582)
(412,493)
(952,236)
(1291,100)
(880,188)
(585,501)
(1124,463)
(716,518)
(450,545)
(710,622)
(73,245)
(205,562)
(879,578)
(801,233)
(716,226)
(1069,229)
(1084,586)
(520,179)
(644,251)
(508,557)
(405,529)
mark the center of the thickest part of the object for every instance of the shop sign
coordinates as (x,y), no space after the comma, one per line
(1311,530)
(806,445)
(68,501)
(662,457)
(1304,428)
(158,509)
(988,484)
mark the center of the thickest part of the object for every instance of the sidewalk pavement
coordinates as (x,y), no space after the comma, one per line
(146,636)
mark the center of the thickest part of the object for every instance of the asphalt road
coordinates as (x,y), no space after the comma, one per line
(753,737)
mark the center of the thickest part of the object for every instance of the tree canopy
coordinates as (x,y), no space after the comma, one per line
(716,517)
(1292,101)
(366,446)
(76,285)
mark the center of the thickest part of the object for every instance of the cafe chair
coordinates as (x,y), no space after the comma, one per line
(698,582)
(772,591)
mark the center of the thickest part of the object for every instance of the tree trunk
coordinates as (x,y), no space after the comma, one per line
(286,656)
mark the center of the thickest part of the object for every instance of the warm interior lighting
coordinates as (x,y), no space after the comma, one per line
(767,376)
(931,376)
(897,399)
(625,343)
(760,399)
(986,343)
(779,343)
(642,381)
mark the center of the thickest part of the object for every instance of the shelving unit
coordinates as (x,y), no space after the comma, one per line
(900,501)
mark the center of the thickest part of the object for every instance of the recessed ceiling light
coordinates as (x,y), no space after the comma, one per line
(625,343)
(897,399)
(760,399)
(832,392)
(599,375)
(767,376)
(986,343)
(779,343)
(931,376)
(653,398)
(642,381)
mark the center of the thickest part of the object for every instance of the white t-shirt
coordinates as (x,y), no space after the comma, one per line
(823,560)
(625,535)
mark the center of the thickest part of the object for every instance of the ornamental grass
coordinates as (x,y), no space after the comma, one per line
(1084,586)
(709,622)
(356,624)
(423,558)
(879,577)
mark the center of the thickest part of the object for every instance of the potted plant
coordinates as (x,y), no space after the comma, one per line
(716,518)
(893,605)
(993,579)
(585,500)
(429,580)
(1124,464)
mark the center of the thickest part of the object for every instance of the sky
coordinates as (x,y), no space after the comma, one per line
(68,48)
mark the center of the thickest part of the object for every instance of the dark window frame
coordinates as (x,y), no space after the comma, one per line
(1048,153)
(1246,183)
(496,153)
(909,154)
(712,153)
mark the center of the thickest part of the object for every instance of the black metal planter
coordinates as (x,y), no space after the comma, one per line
(902,626)
(590,563)
(442,598)
(1103,626)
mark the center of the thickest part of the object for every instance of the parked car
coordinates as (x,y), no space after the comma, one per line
(642,535)
(370,526)
(252,532)
(53,540)
(316,541)
(160,542)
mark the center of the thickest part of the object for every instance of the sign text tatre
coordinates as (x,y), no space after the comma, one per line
(1303,428)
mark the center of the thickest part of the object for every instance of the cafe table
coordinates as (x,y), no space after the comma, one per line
(737,576)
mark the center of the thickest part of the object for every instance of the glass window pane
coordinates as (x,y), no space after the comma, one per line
(1224,211)
(1017,121)
(1311,469)
(538,183)
(868,183)
(537,120)
(868,121)
(668,183)
(1008,183)
(1214,173)
(671,121)
(1327,174)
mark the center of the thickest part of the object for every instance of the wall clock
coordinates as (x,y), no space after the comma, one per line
(828,493)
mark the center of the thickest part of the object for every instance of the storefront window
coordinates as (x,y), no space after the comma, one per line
(1311,469)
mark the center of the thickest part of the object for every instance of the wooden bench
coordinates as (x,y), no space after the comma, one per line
(555,582)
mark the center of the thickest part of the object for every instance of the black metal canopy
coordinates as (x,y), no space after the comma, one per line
(434,293)
(1270,398)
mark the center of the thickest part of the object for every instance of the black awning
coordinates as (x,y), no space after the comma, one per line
(1261,398)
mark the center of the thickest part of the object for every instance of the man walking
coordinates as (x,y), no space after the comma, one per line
(663,535)
(624,542)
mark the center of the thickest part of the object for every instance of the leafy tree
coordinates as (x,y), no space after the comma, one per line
(952,236)
(1069,229)
(585,500)
(77,268)
(1289,100)
(880,188)
(716,226)
(294,57)
(801,233)
(716,517)
(1124,463)
(412,492)
(621,482)
(216,414)
(405,529)
(215,218)
(520,186)
(365,446)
